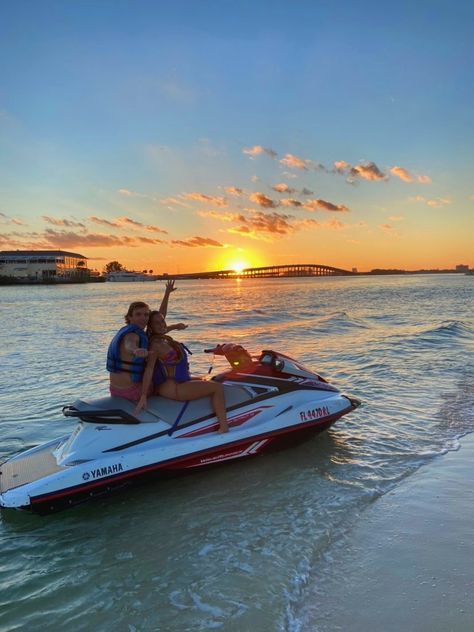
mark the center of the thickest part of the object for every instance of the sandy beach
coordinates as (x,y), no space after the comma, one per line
(408,563)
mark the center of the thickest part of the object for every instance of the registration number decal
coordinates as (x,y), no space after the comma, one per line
(314,413)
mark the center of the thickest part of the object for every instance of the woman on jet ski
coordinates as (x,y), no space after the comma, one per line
(167,372)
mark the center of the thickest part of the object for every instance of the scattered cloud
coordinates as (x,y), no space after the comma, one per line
(406,176)
(291,202)
(223,216)
(126,222)
(283,188)
(261,225)
(63,222)
(396,218)
(6,219)
(70,239)
(258,150)
(174,201)
(235,191)
(366,171)
(386,228)
(318,204)
(341,166)
(262,200)
(294,162)
(195,242)
(215,200)
(433,203)
(305,191)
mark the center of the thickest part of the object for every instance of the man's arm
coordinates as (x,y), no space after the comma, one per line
(164,303)
(131,345)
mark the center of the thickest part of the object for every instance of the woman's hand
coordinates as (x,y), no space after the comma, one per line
(179,326)
(170,287)
(141,405)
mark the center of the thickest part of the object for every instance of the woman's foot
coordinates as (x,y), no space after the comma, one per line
(223,427)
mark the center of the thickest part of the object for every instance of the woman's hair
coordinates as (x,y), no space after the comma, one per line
(148,330)
(132,308)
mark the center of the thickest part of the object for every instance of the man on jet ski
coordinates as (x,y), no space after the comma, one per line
(129,348)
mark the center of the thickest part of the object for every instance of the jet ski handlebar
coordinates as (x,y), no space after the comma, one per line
(238,357)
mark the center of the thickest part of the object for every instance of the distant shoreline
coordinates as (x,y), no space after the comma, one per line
(9,281)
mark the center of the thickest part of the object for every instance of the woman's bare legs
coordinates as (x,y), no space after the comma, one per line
(194,389)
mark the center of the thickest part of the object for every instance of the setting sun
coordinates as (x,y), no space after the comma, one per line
(238,266)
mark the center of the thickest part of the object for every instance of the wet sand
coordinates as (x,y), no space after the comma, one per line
(408,564)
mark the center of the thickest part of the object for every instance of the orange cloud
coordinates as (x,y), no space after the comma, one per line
(341,166)
(63,222)
(173,201)
(222,216)
(283,188)
(257,150)
(294,162)
(291,202)
(317,204)
(215,200)
(260,225)
(233,191)
(433,203)
(406,176)
(195,242)
(126,222)
(5,219)
(63,239)
(262,200)
(367,171)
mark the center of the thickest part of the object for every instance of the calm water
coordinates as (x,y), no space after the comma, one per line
(243,546)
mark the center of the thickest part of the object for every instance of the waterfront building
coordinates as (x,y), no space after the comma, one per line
(42,265)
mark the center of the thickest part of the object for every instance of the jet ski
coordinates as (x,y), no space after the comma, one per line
(271,400)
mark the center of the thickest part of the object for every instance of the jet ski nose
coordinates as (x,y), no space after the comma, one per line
(354,401)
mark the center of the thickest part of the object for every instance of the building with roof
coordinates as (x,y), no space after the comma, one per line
(42,265)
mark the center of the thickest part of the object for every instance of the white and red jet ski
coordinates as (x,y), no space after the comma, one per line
(272,400)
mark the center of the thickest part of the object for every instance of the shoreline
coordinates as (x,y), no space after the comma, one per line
(407,563)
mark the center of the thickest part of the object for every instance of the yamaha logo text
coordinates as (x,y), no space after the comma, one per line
(103,471)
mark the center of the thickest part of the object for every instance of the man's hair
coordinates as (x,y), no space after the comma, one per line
(132,308)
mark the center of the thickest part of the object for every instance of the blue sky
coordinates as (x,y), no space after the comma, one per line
(111,110)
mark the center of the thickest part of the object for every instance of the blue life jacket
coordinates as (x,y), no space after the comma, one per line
(115,364)
(177,370)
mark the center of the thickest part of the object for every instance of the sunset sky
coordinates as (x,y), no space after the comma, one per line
(197,135)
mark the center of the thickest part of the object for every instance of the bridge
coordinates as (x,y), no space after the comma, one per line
(284,271)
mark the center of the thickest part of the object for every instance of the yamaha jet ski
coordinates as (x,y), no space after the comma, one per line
(271,400)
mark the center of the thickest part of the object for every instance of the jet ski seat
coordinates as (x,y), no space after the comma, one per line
(116,410)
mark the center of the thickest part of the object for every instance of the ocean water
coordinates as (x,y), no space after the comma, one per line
(244,546)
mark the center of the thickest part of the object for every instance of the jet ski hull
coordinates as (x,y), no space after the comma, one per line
(115,477)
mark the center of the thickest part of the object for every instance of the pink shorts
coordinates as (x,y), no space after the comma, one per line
(132,393)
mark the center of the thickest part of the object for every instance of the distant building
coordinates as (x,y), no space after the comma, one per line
(42,264)
(462,267)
